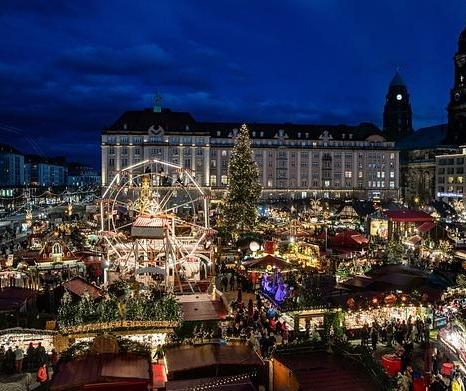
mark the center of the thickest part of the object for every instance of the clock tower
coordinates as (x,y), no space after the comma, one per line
(457,106)
(397,114)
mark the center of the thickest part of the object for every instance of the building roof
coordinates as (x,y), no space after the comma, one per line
(187,358)
(5,148)
(78,286)
(143,119)
(223,383)
(199,307)
(12,299)
(424,138)
(408,216)
(102,369)
(149,122)
(326,372)
(397,81)
(263,262)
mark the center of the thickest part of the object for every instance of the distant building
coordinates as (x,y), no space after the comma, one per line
(294,160)
(80,175)
(397,114)
(450,181)
(417,162)
(42,171)
(11,167)
(457,106)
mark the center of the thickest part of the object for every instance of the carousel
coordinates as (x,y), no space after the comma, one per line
(154,220)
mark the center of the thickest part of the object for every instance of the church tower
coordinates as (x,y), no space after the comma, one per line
(397,114)
(457,106)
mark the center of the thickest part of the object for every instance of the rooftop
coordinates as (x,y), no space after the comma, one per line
(326,372)
(149,122)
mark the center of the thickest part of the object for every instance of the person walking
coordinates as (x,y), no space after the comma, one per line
(42,375)
(374,338)
(19,356)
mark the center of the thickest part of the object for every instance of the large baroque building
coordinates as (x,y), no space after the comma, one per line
(296,161)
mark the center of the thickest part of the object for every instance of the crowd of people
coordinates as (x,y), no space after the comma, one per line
(259,324)
(18,361)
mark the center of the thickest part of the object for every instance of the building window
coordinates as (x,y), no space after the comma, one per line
(224,153)
(213,180)
(224,180)
(348,174)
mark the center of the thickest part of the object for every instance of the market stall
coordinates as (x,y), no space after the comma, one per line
(454,337)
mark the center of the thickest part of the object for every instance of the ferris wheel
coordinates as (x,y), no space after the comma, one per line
(154,218)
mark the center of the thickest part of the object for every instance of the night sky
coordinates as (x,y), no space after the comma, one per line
(69,68)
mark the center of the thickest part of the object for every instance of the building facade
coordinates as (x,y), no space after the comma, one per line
(296,161)
(44,172)
(80,175)
(11,167)
(450,181)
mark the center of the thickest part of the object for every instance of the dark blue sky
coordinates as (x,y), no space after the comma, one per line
(68,68)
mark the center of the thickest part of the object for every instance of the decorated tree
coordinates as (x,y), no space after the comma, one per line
(244,190)
(66,312)
(86,310)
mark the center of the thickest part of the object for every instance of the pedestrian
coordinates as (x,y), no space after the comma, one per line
(374,338)
(9,361)
(42,374)
(41,354)
(19,355)
(457,383)
(30,357)
(54,359)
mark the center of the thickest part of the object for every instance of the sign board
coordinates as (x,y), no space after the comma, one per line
(9,261)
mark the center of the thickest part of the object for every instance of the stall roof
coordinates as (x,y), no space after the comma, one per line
(350,238)
(101,369)
(201,307)
(426,227)
(78,285)
(268,260)
(327,372)
(185,358)
(408,216)
(208,382)
(13,298)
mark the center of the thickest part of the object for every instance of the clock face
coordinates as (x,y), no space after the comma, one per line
(399,97)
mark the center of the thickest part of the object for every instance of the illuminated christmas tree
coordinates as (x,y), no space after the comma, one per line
(244,190)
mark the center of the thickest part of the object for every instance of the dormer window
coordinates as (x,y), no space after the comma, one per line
(351,136)
(262,134)
(56,249)
(253,134)
(343,136)
(307,135)
(299,134)
(219,133)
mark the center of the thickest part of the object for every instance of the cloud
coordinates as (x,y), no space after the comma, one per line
(109,61)
(48,8)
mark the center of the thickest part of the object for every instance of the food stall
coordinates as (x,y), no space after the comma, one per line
(454,337)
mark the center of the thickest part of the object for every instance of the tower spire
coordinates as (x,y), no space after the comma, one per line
(157,102)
